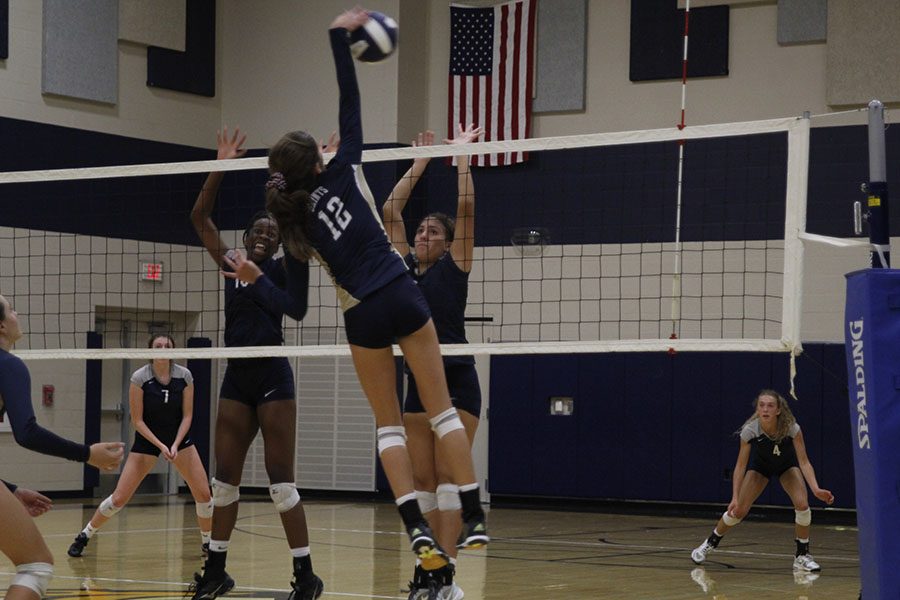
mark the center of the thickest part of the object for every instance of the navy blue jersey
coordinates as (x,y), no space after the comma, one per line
(253,312)
(163,403)
(768,456)
(348,236)
(446,289)
(15,402)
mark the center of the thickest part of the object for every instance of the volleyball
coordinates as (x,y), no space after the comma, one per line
(376,40)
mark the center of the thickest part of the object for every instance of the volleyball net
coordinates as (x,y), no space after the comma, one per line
(586,247)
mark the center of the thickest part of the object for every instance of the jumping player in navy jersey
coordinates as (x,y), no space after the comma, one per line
(161,401)
(328,212)
(771,446)
(20,539)
(440,263)
(258,393)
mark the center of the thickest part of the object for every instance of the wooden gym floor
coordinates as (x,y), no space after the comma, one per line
(151,549)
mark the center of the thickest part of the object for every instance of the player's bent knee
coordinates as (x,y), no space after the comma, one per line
(224,494)
(730,520)
(427,501)
(204,509)
(446,422)
(448,497)
(35,576)
(284,495)
(390,436)
(108,508)
(803,517)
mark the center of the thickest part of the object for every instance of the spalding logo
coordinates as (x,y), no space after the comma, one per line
(859,378)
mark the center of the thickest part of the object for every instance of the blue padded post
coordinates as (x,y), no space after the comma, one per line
(872,335)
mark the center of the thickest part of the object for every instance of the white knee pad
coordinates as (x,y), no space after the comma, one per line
(204,509)
(224,493)
(446,422)
(729,520)
(448,497)
(803,517)
(284,495)
(34,576)
(390,436)
(427,501)
(107,508)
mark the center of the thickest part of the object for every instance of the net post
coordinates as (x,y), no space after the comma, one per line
(876,190)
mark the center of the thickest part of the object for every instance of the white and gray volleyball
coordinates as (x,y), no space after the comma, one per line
(376,40)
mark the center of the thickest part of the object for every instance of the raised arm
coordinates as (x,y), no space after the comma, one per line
(201,214)
(349,117)
(463,247)
(396,202)
(292,301)
(809,474)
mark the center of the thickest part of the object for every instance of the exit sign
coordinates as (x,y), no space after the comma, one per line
(151,271)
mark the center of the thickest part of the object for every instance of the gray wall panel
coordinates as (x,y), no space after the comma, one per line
(80,51)
(561,28)
(802,21)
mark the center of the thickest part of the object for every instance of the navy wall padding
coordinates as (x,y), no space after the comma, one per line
(204,396)
(649,426)
(4,28)
(657,41)
(194,70)
(93,397)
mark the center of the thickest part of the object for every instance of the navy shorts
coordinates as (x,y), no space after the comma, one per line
(143,446)
(395,311)
(771,469)
(254,381)
(465,393)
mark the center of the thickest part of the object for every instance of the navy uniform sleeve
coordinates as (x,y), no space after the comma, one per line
(10,486)
(349,118)
(291,302)
(15,387)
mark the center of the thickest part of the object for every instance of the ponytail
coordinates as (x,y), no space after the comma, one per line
(292,211)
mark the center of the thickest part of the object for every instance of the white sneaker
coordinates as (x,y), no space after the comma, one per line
(805,579)
(698,554)
(805,562)
(451,592)
(700,577)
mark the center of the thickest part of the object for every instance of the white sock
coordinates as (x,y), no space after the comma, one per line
(89,530)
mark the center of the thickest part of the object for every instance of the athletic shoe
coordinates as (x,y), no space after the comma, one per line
(210,587)
(700,577)
(698,554)
(805,562)
(451,592)
(425,585)
(77,547)
(429,552)
(309,589)
(474,534)
(804,578)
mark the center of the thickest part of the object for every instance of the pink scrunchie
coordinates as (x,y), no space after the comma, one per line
(277,181)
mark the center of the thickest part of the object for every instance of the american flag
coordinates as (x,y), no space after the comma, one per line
(491,73)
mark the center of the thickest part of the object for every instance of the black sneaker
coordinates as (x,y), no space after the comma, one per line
(425,585)
(473,534)
(422,541)
(209,588)
(77,547)
(309,588)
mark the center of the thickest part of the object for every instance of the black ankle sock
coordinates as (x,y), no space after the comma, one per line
(714,539)
(471,504)
(802,547)
(410,513)
(215,563)
(303,566)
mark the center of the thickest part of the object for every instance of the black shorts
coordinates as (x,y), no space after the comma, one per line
(771,469)
(395,311)
(143,446)
(258,380)
(465,392)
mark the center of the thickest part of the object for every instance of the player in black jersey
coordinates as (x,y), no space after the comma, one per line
(329,212)
(20,539)
(771,446)
(440,263)
(258,393)
(161,402)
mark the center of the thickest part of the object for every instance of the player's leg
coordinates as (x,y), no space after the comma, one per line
(190,467)
(136,468)
(793,483)
(22,543)
(751,487)
(420,444)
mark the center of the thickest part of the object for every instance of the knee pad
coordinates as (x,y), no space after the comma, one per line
(107,508)
(803,517)
(35,576)
(448,497)
(284,495)
(204,509)
(427,501)
(390,436)
(224,493)
(446,422)
(729,520)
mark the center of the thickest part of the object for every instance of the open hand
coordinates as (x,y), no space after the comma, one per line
(230,147)
(35,503)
